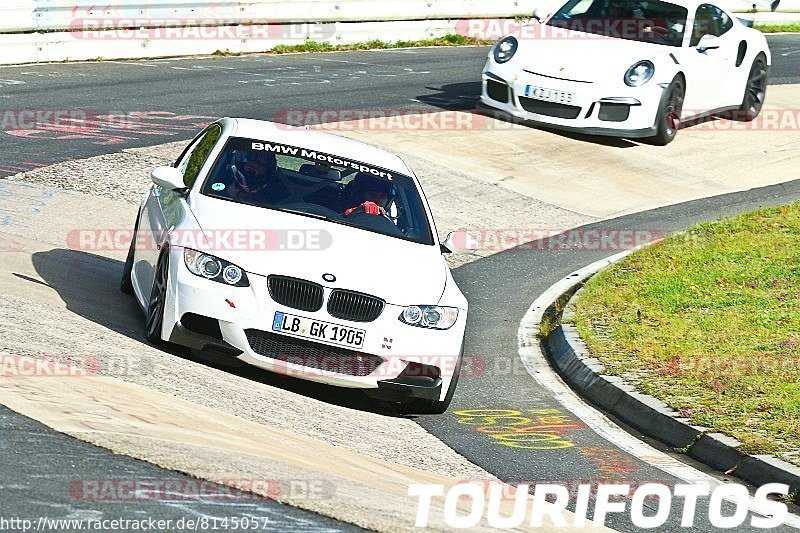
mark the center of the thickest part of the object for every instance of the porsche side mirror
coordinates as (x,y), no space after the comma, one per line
(459,242)
(708,42)
(169,178)
(539,14)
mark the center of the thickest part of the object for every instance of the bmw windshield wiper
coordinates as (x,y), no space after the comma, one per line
(318,216)
(305,214)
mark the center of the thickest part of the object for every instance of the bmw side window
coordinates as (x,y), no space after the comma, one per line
(196,156)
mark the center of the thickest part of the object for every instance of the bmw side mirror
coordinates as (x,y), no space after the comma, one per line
(708,42)
(459,242)
(169,178)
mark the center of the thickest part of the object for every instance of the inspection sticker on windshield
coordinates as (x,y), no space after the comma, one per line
(300,326)
(549,95)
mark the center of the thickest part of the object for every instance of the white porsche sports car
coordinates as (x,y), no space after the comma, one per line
(628,68)
(302,253)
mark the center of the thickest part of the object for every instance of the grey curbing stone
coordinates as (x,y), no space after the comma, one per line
(762,469)
(651,416)
(645,413)
(718,451)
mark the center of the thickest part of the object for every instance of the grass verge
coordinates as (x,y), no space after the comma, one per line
(450,39)
(793,27)
(709,322)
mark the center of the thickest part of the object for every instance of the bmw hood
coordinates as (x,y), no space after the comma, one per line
(265,241)
(582,57)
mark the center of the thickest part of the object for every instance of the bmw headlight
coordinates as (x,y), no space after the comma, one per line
(640,73)
(213,268)
(429,316)
(505,49)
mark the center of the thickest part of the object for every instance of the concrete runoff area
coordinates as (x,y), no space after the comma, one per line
(608,177)
(62,301)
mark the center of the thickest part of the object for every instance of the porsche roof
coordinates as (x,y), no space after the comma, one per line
(263,130)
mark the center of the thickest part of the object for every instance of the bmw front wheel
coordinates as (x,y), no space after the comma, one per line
(158,301)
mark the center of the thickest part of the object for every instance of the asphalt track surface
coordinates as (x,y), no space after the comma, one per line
(500,288)
(142,103)
(48,475)
(171,98)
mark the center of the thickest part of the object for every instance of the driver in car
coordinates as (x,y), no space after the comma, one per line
(368,194)
(255,178)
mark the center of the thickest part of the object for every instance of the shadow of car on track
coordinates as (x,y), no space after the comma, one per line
(89,286)
(466,97)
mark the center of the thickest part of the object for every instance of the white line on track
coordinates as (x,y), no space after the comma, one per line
(351,62)
(135,64)
(539,368)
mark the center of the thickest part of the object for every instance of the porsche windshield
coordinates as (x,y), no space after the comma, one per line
(649,21)
(315,184)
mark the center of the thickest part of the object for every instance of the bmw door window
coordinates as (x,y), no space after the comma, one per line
(195,157)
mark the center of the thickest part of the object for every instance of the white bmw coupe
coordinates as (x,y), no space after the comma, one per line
(628,68)
(302,253)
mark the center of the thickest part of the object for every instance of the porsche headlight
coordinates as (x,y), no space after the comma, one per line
(639,73)
(213,268)
(429,316)
(505,49)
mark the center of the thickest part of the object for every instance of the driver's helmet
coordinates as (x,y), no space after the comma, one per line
(364,184)
(674,21)
(253,169)
(619,9)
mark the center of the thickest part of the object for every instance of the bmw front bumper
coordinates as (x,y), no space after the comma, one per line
(396,361)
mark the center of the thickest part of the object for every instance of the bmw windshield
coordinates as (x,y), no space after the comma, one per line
(319,185)
(649,21)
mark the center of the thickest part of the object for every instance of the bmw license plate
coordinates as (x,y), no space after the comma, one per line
(549,95)
(309,328)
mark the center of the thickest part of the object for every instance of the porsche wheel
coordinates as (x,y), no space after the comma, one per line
(755,90)
(668,119)
(158,300)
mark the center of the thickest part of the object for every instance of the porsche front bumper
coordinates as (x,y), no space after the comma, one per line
(597,109)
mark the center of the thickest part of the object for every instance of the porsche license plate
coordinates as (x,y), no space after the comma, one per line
(549,95)
(309,328)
